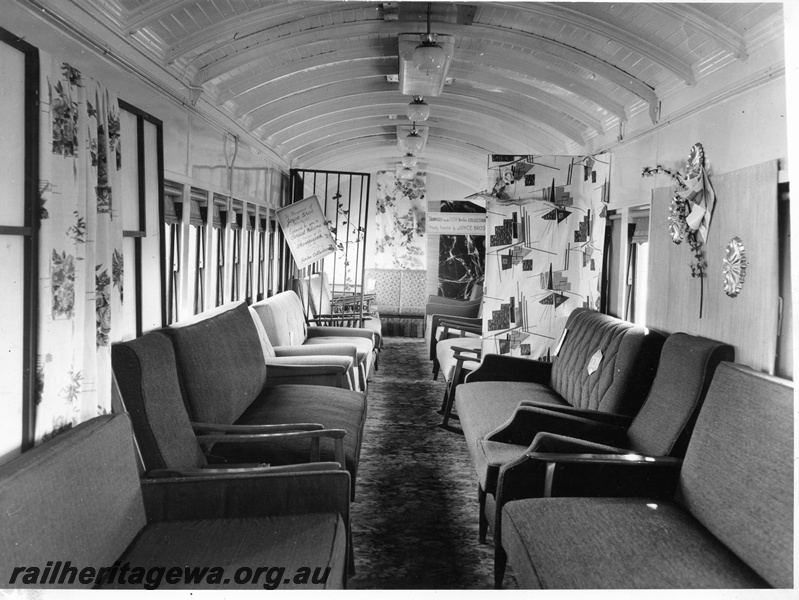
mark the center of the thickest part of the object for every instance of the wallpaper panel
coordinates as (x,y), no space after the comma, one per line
(544,243)
(399,222)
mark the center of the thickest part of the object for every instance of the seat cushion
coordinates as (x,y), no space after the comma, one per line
(335,408)
(480,417)
(235,548)
(580,543)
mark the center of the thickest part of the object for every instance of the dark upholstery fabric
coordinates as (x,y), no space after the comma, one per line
(737,478)
(335,408)
(147,375)
(605,389)
(221,363)
(687,363)
(587,543)
(316,541)
(75,497)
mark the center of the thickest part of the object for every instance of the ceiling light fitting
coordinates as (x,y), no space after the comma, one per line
(414,141)
(429,57)
(406,174)
(418,110)
(409,161)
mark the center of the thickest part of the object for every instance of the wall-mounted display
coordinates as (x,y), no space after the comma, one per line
(544,246)
(734,267)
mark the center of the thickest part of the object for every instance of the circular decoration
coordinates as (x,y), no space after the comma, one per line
(734,267)
(696,160)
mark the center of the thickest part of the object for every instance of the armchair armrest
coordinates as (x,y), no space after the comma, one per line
(323,330)
(280,371)
(611,475)
(277,428)
(528,421)
(594,415)
(319,350)
(458,328)
(499,367)
(312,434)
(253,469)
(254,495)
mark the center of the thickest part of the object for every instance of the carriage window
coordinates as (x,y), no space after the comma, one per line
(19,219)
(197,232)
(173,212)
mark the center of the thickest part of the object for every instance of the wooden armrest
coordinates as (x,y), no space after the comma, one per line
(314,435)
(528,421)
(610,475)
(466,358)
(228,470)
(501,367)
(461,349)
(277,428)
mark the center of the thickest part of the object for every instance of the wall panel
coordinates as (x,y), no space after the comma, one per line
(746,206)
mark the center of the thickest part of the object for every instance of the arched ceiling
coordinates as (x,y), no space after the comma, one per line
(316,81)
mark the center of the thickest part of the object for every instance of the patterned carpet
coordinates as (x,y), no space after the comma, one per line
(414,519)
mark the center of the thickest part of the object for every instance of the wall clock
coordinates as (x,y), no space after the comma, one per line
(734,267)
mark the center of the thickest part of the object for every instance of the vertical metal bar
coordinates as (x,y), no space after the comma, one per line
(30,315)
(365,226)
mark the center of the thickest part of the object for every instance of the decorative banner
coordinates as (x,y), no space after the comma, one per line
(400,222)
(306,230)
(544,244)
(448,223)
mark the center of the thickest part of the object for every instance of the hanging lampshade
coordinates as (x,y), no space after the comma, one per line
(413,141)
(409,161)
(428,56)
(418,110)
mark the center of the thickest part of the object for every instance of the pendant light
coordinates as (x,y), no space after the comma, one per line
(418,110)
(413,141)
(429,56)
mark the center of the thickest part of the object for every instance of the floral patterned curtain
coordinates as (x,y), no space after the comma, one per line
(80,247)
(400,222)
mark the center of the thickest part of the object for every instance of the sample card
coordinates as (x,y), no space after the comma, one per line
(307,234)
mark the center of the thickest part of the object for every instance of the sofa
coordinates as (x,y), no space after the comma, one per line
(75,505)
(223,379)
(661,428)
(626,358)
(727,522)
(283,319)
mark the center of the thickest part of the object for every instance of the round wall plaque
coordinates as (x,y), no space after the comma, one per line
(734,267)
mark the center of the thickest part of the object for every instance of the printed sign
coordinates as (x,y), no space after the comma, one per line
(307,234)
(446,223)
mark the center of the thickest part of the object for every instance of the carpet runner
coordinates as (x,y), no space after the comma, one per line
(414,519)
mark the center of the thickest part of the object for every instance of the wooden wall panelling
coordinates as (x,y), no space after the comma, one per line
(746,206)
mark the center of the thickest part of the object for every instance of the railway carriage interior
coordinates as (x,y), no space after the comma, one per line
(396,295)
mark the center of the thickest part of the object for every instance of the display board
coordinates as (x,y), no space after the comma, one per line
(306,230)
(544,245)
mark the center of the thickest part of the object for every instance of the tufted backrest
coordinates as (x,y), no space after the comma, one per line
(147,376)
(623,375)
(220,361)
(664,424)
(737,477)
(283,319)
(75,497)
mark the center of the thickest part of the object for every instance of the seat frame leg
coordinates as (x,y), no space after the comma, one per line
(500,562)
(483,521)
